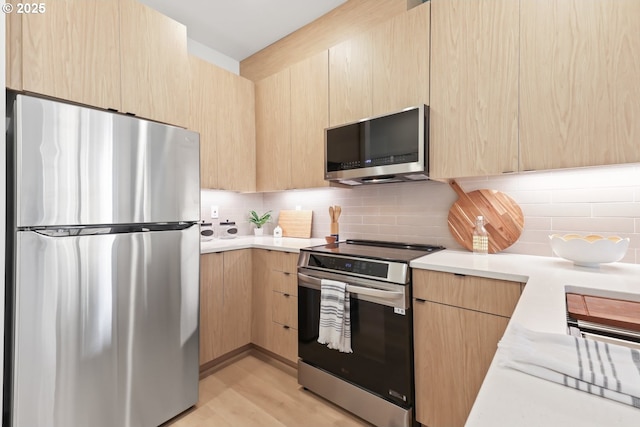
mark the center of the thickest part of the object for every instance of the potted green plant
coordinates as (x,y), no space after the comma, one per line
(259,221)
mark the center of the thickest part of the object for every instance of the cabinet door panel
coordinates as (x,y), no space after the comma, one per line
(476,293)
(474,88)
(211,296)
(236,132)
(72,52)
(155,66)
(285,309)
(202,117)
(580,83)
(350,80)
(451,360)
(236,305)
(273,132)
(285,342)
(309,118)
(401,61)
(262,295)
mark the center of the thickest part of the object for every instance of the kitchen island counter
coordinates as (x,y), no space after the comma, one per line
(512,398)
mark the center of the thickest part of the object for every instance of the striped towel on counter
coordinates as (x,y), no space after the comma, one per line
(335,323)
(602,369)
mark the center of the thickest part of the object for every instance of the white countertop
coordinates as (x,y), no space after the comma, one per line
(284,244)
(514,399)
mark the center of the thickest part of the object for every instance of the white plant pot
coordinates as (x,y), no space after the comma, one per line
(258,231)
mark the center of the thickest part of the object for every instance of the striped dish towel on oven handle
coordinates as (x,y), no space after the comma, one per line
(335,322)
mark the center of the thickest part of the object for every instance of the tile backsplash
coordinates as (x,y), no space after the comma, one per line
(604,200)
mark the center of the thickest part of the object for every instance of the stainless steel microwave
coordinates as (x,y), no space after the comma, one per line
(389,148)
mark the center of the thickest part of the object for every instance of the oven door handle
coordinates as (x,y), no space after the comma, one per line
(360,290)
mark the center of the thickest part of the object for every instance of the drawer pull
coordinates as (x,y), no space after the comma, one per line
(286,273)
(420,300)
(285,326)
(459,275)
(286,295)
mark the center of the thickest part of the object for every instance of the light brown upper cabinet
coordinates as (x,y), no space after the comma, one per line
(112,54)
(70,51)
(292,110)
(401,61)
(309,118)
(235,132)
(381,71)
(155,66)
(203,111)
(350,80)
(273,132)
(474,87)
(580,83)
(222,111)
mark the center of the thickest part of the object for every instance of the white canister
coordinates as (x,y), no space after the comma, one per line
(206,231)
(228,230)
(277,232)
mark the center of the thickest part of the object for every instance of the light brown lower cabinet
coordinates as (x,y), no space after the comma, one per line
(225,303)
(274,325)
(458,321)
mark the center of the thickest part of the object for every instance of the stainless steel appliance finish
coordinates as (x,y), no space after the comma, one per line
(354,399)
(82,166)
(382,149)
(104,296)
(375,381)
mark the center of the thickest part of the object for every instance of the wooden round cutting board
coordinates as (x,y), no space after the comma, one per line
(502,216)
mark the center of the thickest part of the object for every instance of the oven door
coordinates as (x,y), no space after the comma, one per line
(381,336)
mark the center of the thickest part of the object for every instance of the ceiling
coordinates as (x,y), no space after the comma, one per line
(239,28)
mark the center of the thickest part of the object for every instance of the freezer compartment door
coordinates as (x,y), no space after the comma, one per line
(106,328)
(76,165)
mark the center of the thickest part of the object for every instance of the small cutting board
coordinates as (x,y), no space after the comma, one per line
(503,217)
(295,223)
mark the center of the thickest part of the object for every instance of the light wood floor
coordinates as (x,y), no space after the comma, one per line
(256,390)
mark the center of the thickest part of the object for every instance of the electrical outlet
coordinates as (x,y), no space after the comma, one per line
(214,212)
(298,207)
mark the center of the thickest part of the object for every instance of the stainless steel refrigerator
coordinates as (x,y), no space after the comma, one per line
(103,268)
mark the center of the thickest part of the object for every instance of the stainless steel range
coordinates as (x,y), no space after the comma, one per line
(375,381)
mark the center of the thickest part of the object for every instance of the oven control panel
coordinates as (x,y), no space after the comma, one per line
(350,265)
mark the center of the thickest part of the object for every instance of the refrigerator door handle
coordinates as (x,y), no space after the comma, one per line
(106,229)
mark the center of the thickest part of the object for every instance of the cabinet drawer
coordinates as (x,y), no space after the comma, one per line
(285,309)
(475,293)
(283,261)
(285,282)
(285,342)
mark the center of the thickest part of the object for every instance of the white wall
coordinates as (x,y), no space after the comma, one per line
(603,200)
(213,56)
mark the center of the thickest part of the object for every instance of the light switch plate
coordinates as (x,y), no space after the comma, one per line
(214,212)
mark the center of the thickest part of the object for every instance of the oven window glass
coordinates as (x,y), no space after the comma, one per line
(382,345)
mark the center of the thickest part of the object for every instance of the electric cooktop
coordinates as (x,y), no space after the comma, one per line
(376,249)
